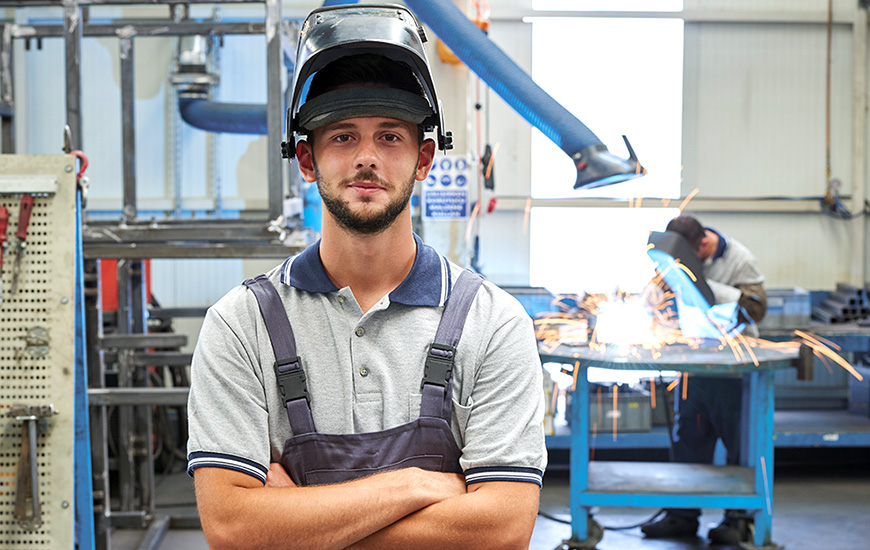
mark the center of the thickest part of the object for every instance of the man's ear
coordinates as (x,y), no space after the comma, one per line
(305,158)
(425,159)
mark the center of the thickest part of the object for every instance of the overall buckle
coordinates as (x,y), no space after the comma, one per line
(291,379)
(439,365)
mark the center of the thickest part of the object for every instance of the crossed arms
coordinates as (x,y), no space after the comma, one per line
(407,509)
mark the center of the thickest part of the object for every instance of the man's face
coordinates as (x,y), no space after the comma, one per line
(365,169)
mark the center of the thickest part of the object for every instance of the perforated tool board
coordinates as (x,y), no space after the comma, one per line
(37,327)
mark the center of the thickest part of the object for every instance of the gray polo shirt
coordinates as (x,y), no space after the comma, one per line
(364,370)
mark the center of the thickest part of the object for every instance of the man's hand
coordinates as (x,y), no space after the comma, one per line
(278,476)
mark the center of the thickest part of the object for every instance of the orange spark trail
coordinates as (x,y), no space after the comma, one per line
(685,385)
(528,211)
(576,370)
(555,398)
(673,384)
(688,272)
(615,394)
(687,199)
(766,487)
(600,407)
(652,392)
(820,349)
(474,212)
(594,433)
(817,339)
(742,339)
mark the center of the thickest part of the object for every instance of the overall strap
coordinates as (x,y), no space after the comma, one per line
(288,366)
(437,385)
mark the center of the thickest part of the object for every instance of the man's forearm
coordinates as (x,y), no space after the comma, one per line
(497,515)
(237,513)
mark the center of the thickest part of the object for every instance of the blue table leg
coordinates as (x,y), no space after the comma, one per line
(764,460)
(579,456)
(757,447)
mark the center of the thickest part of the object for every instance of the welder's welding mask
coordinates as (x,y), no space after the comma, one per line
(336,32)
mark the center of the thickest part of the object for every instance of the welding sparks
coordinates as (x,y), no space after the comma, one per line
(662,343)
(623,322)
(822,351)
(688,198)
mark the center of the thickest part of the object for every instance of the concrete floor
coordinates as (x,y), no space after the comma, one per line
(821,502)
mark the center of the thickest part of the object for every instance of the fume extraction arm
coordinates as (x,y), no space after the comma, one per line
(596,166)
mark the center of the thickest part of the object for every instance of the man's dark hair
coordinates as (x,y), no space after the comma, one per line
(366,69)
(690,228)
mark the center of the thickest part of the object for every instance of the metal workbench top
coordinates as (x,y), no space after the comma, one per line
(708,356)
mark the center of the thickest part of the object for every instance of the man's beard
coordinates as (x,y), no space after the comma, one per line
(366,223)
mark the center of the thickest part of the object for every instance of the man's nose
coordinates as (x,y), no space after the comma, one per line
(366,154)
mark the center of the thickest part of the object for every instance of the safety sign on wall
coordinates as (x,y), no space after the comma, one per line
(445,191)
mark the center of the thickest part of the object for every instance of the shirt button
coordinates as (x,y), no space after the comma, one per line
(341,299)
(363,371)
(359,331)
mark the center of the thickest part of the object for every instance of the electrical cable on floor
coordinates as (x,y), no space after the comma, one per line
(607,527)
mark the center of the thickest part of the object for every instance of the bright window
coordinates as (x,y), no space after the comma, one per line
(618,76)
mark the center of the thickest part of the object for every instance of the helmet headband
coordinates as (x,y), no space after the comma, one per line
(363,101)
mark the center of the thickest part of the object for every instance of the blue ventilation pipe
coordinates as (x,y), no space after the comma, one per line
(232,118)
(595,165)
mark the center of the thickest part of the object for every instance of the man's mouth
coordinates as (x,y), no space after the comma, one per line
(365,187)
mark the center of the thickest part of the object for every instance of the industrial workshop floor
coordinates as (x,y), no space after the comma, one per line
(821,502)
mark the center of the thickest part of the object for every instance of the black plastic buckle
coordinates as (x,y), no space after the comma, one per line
(291,379)
(439,365)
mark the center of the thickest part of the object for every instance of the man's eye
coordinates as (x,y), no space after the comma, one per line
(391,137)
(342,137)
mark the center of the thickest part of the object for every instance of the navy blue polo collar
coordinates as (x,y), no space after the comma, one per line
(427,284)
(720,249)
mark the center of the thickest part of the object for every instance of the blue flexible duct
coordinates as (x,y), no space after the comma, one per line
(596,167)
(232,118)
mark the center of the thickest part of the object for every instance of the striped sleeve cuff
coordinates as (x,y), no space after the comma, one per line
(228,462)
(504,473)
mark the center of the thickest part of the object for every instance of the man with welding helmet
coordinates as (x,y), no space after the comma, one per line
(385,430)
(712,406)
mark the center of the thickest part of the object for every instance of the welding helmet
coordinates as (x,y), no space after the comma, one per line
(335,32)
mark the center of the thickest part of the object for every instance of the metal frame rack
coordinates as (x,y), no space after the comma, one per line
(131,240)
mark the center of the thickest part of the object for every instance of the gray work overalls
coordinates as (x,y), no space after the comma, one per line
(313,458)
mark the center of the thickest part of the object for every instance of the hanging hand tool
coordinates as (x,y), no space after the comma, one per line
(27,506)
(4,221)
(24,211)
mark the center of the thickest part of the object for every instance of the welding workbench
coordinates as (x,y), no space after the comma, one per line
(633,484)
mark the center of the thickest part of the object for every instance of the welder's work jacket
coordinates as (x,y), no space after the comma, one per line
(734,276)
(313,458)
